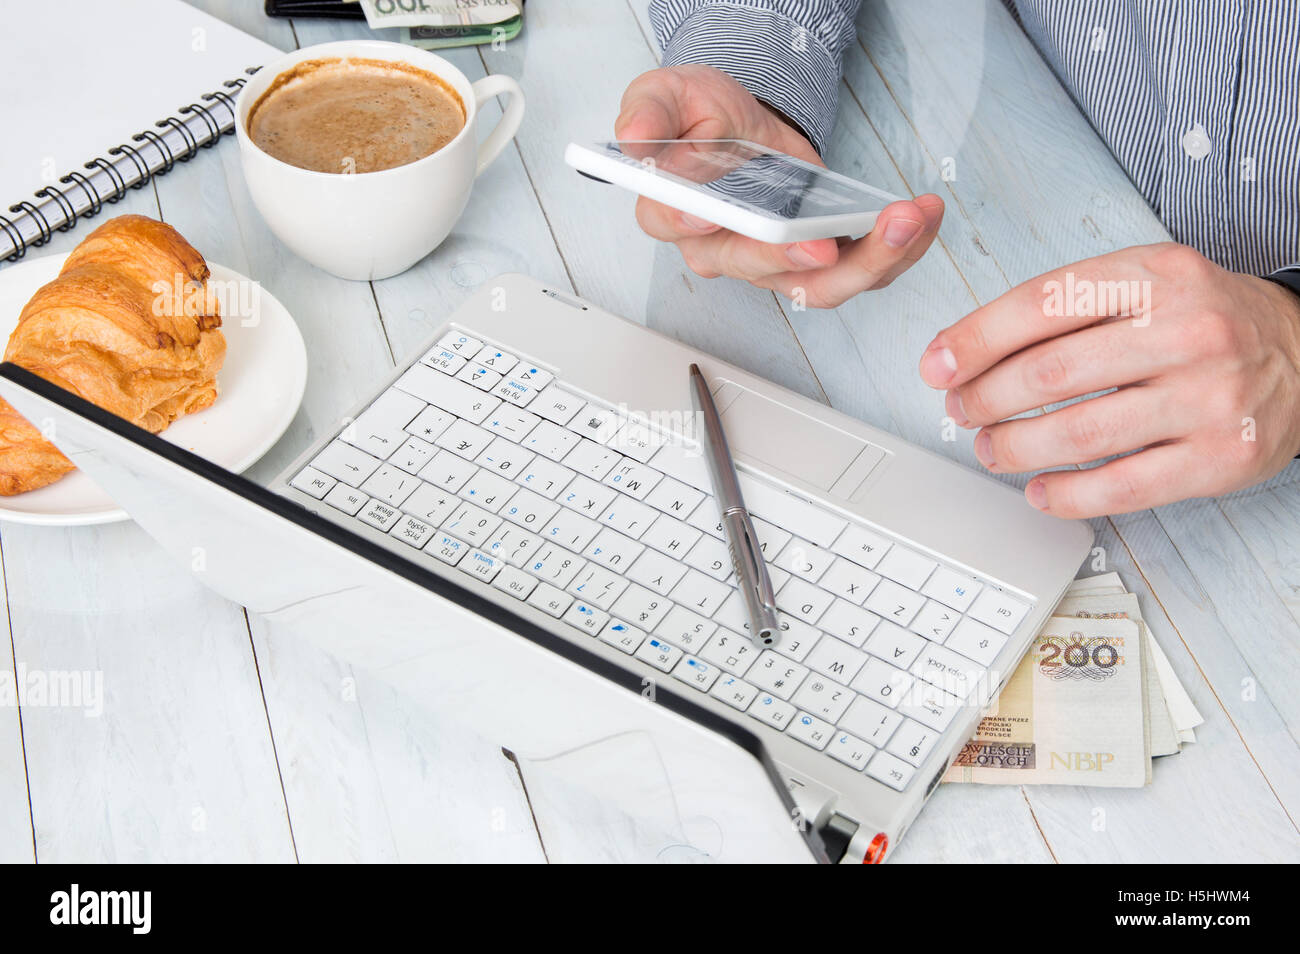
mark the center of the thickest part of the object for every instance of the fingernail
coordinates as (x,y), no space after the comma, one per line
(938,367)
(952,404)
(901,231)
(984,449)
(801,256)
(1036,494)
(691,222)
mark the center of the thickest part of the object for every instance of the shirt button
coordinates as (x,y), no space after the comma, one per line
(1195,142)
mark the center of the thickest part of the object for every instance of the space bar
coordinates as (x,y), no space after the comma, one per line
(455,397)
(790,513)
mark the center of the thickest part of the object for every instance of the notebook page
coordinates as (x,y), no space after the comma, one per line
(80,76)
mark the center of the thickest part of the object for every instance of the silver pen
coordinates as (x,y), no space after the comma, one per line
(746,556)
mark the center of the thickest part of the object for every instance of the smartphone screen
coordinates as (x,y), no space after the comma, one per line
(751,176)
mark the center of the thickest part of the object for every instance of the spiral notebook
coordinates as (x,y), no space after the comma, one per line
(100,97)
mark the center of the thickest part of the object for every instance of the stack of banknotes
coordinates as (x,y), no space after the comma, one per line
(433,24)
(1092,703)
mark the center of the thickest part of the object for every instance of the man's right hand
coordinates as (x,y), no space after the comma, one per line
(700,102)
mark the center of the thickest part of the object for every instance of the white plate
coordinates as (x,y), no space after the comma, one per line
(259,389)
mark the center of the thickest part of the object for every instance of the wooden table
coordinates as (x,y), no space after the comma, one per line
(219,743)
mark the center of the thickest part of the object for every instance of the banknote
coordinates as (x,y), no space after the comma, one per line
(436,38)
(384,14)
(1073,712)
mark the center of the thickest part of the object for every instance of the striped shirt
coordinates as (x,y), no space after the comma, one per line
(1198,101)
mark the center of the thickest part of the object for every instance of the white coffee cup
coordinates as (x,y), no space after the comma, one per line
(373,225)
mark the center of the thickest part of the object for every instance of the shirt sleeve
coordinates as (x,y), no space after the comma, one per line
(787,53)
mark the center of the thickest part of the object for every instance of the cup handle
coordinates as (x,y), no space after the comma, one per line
(495,85)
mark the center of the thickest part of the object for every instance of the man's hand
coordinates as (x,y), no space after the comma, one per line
(700,102)
(1206,369)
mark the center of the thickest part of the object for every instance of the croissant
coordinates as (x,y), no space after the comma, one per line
(129,324)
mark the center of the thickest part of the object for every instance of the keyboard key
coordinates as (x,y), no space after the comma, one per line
(930,706)
(465,440)
(683,462)
(976,641)
(951,588)
(570,530)
(460,344)
(555,565)
(557,405)
(683,628)
(671,537)
(810,730)
(448,471)
(346,463)
(622,636)
(489,490)
(412,531)
(906,566)
(499,361)
(391,484)
(656,571)
(550,440)
(520,386)
(430,504)
(503,457)
(729,651)
(515,581)
(801,599)
(455,397)
(894,645)
(529,511)
(597,585)
(381,428)
(882,682)
(629,516)
(913,742)
(632,478)
(894,603)
(379,514)
(848,622)
(774,673)
(311,481)
(778,507)
(951,672)
(634,439)
(699,593)
(587,497)
(805,560)
(711,556)
(429,423)
(481,566)
(891,770)
(345,498)
(849,581)
(659,654)
(511,423)
(797,638)
(862,546)
(546,477)
(696,673)
(995,608)
(550,600)
(446,548)
(513,544)
(485,379)
(613,550)
(641,607)
(823,698)
(850,750)
(935,621)
(471,524)
(413,454)
(706,518)
(595,423)
(734,692)
(870,721)
(444,360)
(835,659)
(586,617)
(767,708)
(674,498)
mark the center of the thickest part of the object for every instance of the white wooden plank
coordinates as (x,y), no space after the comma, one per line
(17,839)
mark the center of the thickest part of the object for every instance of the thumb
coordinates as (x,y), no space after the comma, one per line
(650,109)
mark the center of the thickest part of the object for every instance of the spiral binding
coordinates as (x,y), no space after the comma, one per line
(77,195)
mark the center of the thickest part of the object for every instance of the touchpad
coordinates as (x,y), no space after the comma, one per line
(763,430)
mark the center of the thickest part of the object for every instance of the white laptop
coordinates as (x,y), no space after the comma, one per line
(517,528)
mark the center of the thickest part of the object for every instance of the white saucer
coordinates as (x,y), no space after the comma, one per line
(260,387)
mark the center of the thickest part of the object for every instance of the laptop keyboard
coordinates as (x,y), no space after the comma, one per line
(478,459)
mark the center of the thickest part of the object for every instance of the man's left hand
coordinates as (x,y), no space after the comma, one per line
(1200,367)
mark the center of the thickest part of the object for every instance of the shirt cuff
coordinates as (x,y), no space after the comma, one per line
(1288,277)
(781,62)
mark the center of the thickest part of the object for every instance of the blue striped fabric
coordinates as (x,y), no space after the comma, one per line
(1199,100)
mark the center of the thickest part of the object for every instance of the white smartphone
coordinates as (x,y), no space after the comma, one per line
(739,185)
